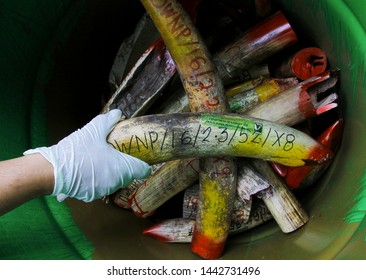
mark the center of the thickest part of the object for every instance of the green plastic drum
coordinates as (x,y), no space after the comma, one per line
(55,58)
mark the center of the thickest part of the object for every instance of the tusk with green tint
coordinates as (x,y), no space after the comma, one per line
(159,138)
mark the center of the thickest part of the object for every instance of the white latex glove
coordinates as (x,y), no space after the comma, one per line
(86,167)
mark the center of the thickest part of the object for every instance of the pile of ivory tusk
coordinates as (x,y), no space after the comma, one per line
(240,132)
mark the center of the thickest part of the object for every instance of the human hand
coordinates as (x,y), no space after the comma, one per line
(86,167)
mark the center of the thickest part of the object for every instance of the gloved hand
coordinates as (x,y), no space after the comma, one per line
(86,167)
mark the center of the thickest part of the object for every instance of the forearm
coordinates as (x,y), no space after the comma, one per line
(82,166)
(24,178)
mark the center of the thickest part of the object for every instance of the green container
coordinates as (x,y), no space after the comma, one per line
(55,58)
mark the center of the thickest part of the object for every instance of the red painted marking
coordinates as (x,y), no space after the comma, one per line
(225,171)
(185,32)
(315,80)
(326,108)
(206,247)
(223,158)
(159,47)
(296,175)
(330,138)
(308,62)
(192,203)
(205,87)
(214,104)
(196,62)
(190,164)
(319,154)
(203,73)
(154,233)
(305,105)
(176,24)
(275,29)
(133,203)
(280,169)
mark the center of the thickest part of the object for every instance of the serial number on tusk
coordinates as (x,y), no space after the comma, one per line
(158,138)
(196,136)
(201,135)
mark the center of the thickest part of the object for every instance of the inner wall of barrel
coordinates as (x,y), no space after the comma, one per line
(82,64)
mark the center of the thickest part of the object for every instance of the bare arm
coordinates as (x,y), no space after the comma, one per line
(24,178)
(82,166)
